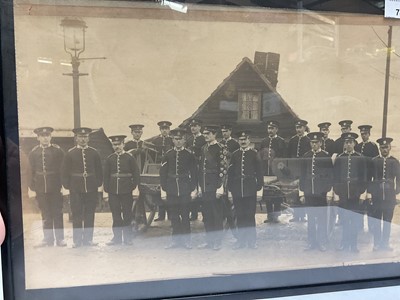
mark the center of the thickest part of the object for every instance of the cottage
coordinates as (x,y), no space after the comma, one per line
(247,98)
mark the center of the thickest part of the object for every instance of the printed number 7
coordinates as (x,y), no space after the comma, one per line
(397,11)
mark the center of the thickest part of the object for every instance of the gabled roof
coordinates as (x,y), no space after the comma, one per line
(244,61)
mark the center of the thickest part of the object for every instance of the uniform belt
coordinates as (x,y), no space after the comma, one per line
(178,176)
(45,173)
(384,181)
(121,175)
(246,176)
(210,172)
(82,174)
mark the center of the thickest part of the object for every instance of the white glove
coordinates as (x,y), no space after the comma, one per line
(220,192)
(193,194)
(260,195)
(163,194)
(199,192)
(105,196)
(329,195)
(100,189)
(64,191)
(336,197)
(230,197)
(135,192)
(302,199)
(363,196)
(31,193)
(301,193)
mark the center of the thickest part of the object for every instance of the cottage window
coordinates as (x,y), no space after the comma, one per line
(249,106)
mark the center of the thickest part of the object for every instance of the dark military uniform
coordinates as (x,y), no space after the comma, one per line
(339,145)
(178,176)
(121,177)
(82,175)
(328,145)
(368,149)
(162,145)
(269,149)
(212,169)
(350,178)
(230,144)
(194,144)
(384,186)
(138,151)
(245,178)
(46,182)
(298,146)
(315,182)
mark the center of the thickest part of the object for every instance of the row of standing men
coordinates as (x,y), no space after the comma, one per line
(201,172)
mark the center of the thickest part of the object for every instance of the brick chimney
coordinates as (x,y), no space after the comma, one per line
(268,64)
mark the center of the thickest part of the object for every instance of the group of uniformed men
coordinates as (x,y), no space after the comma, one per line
(199,173)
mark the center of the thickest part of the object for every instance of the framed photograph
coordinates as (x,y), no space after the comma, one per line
(97,87)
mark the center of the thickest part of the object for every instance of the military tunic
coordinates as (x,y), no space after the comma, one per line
(162,145)
(82,175)
(384,186)
(46,182)
(245,178)
(350,181)
(230,144)
(298,146)
(368,149)
(315,181)
(178,177)
(195,143)
(121,177)
(212,170)
(328,145)
(269,149)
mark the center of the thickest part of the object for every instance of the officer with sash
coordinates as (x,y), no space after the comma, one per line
(46,160)
(121,177)
(82,175)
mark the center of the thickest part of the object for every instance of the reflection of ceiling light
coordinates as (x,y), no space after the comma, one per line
(44,60)
(65,64)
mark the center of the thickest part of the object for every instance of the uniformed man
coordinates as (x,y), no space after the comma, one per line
(345,127)
(366,147)
(121,177)
(297,147)
(82,175)
(231,146)
(245,178)
(142,152)
(271,147)
(315,182)
(163,143)
(194,143)
(46,160)
(349,184)
(328,144)
(384,187)
(178,176)
(227,140)
(369,150)
(299,144)
(212,170)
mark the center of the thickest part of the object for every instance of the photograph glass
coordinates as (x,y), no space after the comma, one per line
(109,92)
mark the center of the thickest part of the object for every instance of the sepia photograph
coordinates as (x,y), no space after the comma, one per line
(165,141)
